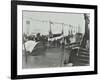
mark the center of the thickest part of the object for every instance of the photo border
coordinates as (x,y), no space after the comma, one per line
(14,39)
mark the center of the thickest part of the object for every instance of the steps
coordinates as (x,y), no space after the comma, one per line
(80,57)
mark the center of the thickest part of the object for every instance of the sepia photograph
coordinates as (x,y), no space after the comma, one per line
(55,39)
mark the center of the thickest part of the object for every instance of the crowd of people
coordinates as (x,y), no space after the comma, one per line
(66,40)
(37,38)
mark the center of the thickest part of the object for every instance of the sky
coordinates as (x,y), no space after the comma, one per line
(40,22)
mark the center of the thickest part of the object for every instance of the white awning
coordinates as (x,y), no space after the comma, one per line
(29,45)
(55,38)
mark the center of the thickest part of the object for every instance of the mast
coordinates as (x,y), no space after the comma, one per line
(50,32)
(62,29)
(86,34)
